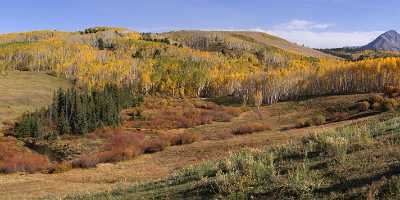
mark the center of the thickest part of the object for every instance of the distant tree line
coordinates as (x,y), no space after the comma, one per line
(77,113)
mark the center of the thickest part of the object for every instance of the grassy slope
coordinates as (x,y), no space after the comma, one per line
(256,38)
(162,164)
(26,91)
(322,167)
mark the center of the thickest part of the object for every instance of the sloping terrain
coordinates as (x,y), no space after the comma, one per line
(209,40)
(359,161)
(25,92)
(108,176)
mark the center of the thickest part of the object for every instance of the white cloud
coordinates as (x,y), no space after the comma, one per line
(318,35)
(328,39)
(297,24)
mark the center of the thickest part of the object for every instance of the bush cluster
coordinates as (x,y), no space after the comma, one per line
(170,113)
(123,146)
(315,120)
(16,159)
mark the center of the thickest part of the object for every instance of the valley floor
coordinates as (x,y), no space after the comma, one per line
(149,167)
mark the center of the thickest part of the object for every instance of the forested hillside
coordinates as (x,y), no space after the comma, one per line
(237,64)
(356,54)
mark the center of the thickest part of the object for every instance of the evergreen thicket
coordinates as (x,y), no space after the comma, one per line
(77,112)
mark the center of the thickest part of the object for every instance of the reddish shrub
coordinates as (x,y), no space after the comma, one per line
(120,146)
(14,158)
(103,133)
(125,140)
(182,114)
(110,156)
(250,128)
(26,162)
(86,161)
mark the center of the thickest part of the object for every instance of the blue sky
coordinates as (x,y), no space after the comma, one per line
(315,23)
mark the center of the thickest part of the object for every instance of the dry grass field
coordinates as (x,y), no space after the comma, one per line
(26,91)
(277,124)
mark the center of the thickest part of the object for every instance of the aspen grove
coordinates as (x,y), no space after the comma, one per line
(155,64)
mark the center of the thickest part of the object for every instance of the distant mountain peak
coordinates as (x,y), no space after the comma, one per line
(391,32)
(388,41)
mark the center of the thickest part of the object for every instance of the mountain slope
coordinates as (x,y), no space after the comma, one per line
(240,39)
(389,41)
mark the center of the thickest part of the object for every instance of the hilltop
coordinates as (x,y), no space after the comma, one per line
(239,40)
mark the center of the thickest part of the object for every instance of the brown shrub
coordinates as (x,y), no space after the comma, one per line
(59,168)
(14,158)
(206,105)
(377,106)
(301,123)
(388,91)
(391,91)
(219,134)
(376,99)
(250,128)
(318,120)
(155,145)
(314,121)
(8,124)
(390,104)
(178,139)
(363,106)
(223,116)
(340,116)
(182,114)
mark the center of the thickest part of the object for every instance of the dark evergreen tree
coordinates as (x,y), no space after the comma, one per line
(79,112)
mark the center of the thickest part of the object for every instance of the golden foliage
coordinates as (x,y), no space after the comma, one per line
(122,57)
